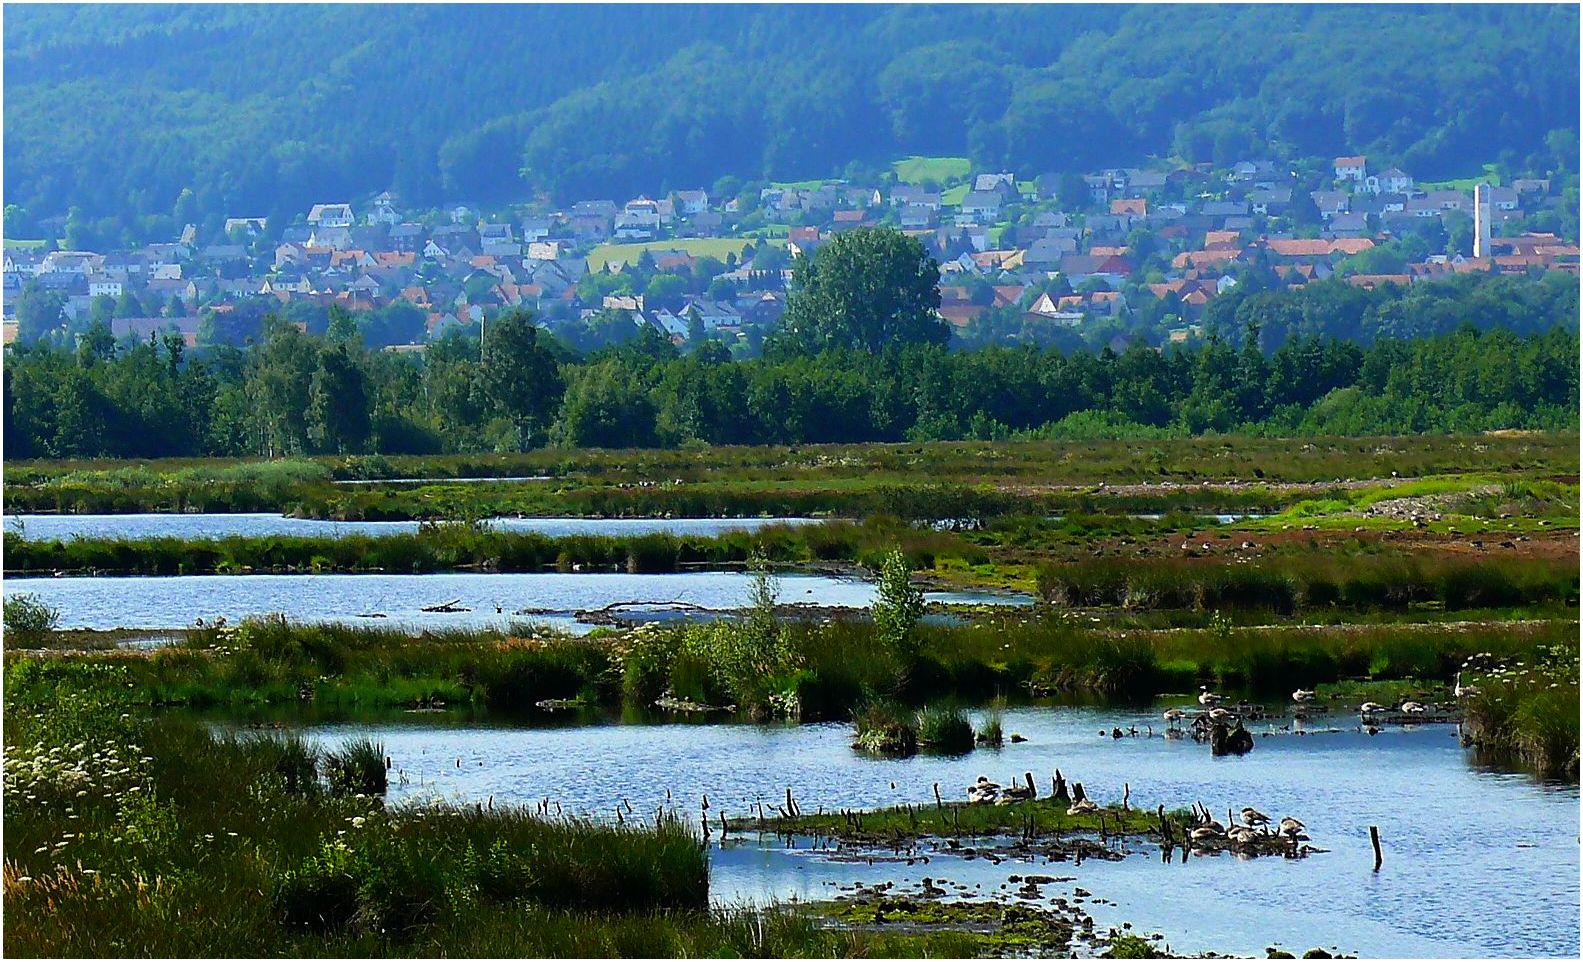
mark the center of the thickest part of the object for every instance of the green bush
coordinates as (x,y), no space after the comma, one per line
(28,620)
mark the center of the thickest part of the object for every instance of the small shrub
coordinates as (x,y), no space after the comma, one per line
(28,620)
(886,728)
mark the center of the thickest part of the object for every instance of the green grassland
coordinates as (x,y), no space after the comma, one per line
(941,170)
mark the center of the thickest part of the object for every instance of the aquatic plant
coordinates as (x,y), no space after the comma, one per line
(944,728)
(357,768)
(885,728)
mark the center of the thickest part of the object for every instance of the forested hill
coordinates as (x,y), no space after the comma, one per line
(266,109)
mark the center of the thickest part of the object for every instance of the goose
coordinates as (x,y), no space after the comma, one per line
(1241,834)
(1370,708)
(1303,695)
(1174,715)
(1213,826)
(1253,816)
(1413,708)
(1460,691)
(982,790)
(1016,792)
(1207,697)
(1084,807)
(1291,826)
(1203,834)
(1220,715)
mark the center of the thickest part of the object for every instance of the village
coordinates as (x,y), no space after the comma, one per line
(1108,258)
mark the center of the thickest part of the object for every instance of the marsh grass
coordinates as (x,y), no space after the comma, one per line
(885,728)
(944,729)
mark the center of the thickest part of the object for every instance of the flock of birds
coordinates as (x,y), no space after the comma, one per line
(1255,825)
(1213,712)
(985,792)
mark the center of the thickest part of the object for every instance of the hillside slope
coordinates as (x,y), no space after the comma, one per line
(264,109)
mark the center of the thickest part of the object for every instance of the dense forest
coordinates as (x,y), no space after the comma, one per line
(295,392)
(143,118)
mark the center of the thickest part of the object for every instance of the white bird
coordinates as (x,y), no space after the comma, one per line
(1207,697)
(1085,807)
(1253,816)
(1413,708)
(1291,826)
(1302,695)
(1370,707)
(1174,715)
(1220,715)
(1461,691)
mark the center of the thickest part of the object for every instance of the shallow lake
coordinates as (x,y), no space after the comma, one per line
(53,527)
(1477,862)
(174,602)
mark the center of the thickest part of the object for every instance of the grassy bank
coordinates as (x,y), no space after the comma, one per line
(966,479)
(126,837)
(813,671)
(1525,710)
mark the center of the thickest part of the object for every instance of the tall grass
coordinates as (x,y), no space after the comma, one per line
(1526,709)
(944,728)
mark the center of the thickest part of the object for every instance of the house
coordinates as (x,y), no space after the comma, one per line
(1394,181)
(690,202)
(906,195)
(1137,183)
(1329,202)
(981,205)
(104,285)
(1133,206)
(919,217)
(1348,225)
(247,225)
(1224,208)
(637,225)
(331,215)
(1502,198)
(1450,200)
(1270,202)
(1351,168)
(1044,309)
(1371,281)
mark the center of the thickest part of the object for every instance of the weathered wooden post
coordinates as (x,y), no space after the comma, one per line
(939,803)
(1060,789)
(1374,837)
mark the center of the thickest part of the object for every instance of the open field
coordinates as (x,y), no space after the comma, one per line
(963,479)
(941,170)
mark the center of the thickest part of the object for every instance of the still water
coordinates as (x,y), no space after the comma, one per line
(1477,863)
(61,527)
(174,602)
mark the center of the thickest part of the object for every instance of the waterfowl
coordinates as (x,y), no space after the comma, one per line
(1016,793)
(1303,695)
(1207,697)
(1174,715)
(1084,807)
(1220,715)
(1370,707)
(1461,691)
(1413,708)
(1213,826)
(982,790)
(1291,826)
(1241,834)
(1203,834)
(1253,816)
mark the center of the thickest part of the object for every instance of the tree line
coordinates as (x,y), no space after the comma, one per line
(296,393)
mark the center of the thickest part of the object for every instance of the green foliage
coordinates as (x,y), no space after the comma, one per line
(357,768)
(210,132)
(866,290)
(885,728)
(944,728)
(28,620)
(898,605)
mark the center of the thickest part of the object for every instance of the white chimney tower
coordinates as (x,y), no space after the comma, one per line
(1481,220)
